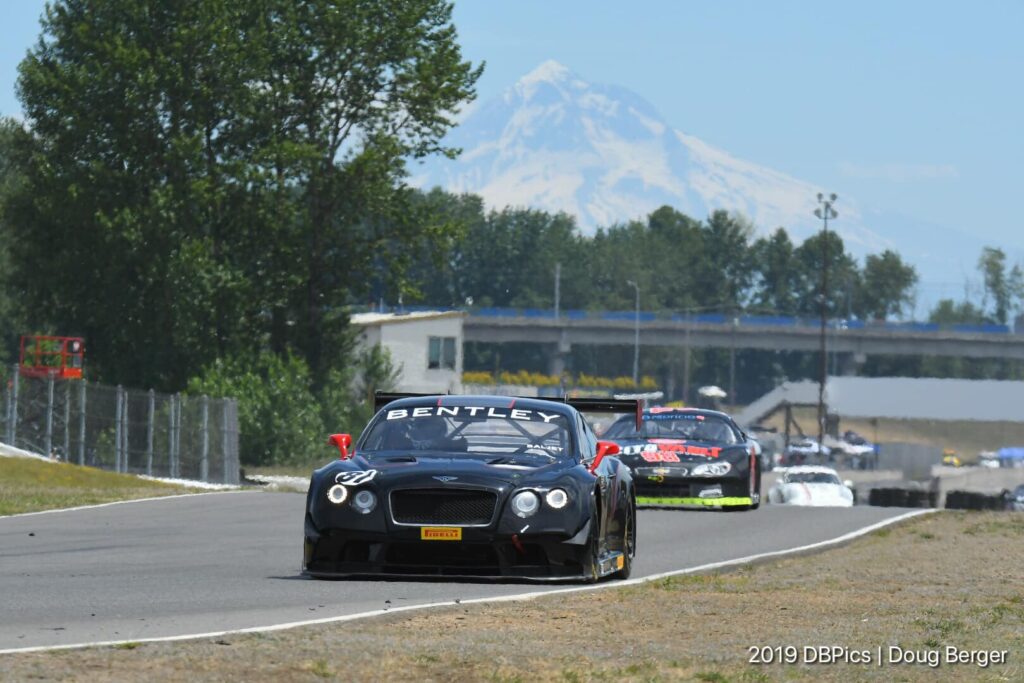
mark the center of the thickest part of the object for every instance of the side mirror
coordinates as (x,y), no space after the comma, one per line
(848,483)
(603,448)
(342,442)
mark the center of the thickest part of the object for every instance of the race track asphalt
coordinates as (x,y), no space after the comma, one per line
(223,561)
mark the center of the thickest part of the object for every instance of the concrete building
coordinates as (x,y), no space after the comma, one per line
(426,346)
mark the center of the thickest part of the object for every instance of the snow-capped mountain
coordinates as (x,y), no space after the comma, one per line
(603,154)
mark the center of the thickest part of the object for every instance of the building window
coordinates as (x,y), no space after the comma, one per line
(442,353)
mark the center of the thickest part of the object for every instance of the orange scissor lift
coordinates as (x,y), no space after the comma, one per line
(58,357)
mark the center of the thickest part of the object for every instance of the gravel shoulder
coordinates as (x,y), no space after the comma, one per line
(943,580)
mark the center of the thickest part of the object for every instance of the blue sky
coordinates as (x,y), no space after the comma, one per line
(915,107)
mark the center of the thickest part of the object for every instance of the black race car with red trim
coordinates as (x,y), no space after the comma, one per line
(688,457)
(474,486)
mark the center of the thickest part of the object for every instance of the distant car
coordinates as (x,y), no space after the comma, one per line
(802,450)
(474,486)
(950,458)
(812,486)
(690,458)
(851,444)
(1016,501)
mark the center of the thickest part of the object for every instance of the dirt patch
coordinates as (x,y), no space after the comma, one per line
(948,579)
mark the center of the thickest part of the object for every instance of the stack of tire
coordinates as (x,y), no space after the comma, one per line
(972,500)
(902,498)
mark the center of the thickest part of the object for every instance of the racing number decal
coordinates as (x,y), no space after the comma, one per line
(659,456)
(667,451)
(355,478)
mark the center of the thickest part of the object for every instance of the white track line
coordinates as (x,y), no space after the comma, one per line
(116,502)
(504,598)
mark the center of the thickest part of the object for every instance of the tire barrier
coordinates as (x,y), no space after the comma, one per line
(903,498)
(972,500)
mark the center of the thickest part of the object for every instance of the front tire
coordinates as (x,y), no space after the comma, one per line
(757,487)
(628,542)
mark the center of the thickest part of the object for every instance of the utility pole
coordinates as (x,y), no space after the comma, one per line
(558,287)
(636,335)
(824,212)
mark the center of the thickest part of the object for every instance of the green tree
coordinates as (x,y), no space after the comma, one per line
(725,273)
(218,175)
(11,176)
(843,275)
(778,272)
(278,414)
(1004,289)
(888,286)
(949,312)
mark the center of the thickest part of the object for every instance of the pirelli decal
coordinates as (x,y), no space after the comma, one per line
(700,502)
(440,533)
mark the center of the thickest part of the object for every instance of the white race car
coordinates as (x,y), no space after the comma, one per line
(810,485)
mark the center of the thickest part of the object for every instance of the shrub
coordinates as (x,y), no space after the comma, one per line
(279,417)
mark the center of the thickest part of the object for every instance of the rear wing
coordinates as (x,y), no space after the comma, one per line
(605,405)
(382,398)
(584,405)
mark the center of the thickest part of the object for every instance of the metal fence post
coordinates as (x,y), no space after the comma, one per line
(124,432)
(67,421)
(13,427)
(204,462)
(176,430)
(224,444)
(232,435)
(48,438)
(117,429)
(7,412)
(81,424)
(150,423)
(170,435)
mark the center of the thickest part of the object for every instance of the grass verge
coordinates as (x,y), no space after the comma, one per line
(29,485)
(949,579)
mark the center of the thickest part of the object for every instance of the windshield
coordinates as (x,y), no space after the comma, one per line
(675,425)
(472,430)
(812,478)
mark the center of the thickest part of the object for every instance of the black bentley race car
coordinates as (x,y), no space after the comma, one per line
(474,486)
(687,457)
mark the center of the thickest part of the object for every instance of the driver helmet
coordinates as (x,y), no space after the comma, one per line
(426,433)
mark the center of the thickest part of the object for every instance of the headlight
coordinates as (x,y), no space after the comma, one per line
(557,498)
(337,494)
(364,501)
(525,503)
(711,469)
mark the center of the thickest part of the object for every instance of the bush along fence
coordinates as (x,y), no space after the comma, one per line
(124,430)
(567,381)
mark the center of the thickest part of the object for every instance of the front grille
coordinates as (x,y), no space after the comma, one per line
(461,507)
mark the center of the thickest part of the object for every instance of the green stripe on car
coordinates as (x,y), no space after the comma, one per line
(703,502)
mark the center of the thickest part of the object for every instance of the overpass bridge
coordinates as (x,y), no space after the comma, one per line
(853,339)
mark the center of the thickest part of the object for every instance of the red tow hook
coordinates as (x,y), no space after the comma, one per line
(518,545)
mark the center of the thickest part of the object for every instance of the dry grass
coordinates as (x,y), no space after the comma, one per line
(945,579)
(29,485)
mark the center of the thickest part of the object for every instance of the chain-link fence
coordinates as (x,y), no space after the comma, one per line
(124,430)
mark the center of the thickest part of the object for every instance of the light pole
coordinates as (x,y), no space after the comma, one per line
(824,212)
(636,335)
